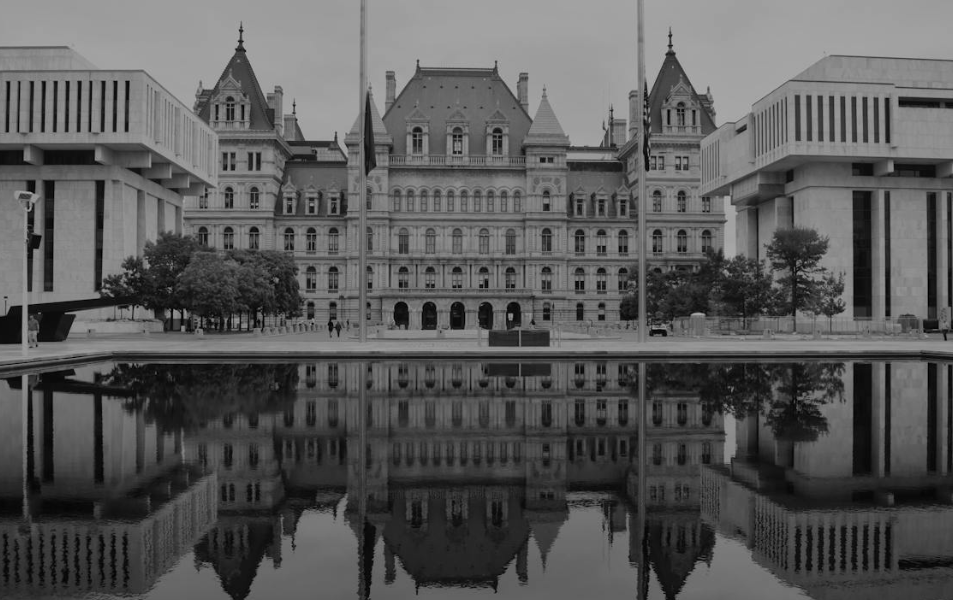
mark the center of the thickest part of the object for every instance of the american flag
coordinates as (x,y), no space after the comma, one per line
(646,127)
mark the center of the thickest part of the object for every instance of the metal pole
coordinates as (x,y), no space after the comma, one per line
(24,315)
(643,318)
(362,179)
(642,507)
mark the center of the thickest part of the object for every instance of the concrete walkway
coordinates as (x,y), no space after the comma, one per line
(419,344)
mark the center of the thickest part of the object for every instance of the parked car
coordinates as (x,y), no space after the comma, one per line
(658,329)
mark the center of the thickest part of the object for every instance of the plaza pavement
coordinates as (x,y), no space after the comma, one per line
(243,347)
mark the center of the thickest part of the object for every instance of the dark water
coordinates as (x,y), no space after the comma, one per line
(466,480)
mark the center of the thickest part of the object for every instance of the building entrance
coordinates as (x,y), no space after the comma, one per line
(429,316)
(401,315)
(514,317)
(458,316)
(485,316)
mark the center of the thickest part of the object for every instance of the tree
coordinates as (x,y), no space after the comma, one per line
(746,288)
(209,286)
(132,283)
(283,272)
(656,291)
(797,252)
(829,299)
(167,258)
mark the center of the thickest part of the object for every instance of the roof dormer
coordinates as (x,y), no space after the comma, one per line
(231,107)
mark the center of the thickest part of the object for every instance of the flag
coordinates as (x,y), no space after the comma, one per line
(646,127)
(370,158)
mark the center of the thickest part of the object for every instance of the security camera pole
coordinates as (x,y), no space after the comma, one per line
(26,200)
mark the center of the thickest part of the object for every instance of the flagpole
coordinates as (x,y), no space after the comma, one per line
(361,236)
(643,105)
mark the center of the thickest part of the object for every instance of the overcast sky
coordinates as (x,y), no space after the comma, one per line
(584,52)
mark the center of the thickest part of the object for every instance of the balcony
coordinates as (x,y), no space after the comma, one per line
(410,160)
(445,291)
(682,129)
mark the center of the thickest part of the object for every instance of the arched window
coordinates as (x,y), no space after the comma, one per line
(656,201)
(203,236)
(333,279)
(333,311)
(504,201)
(547,240)
(547,311)
(623,279)
(254,198)
(511,241)
(464,201)
(547,204)
(333,241)
(477,201)
(682,202)
(229,109)
(368,198)
(430,278)
(601,281)
(370,278)
(546,279)
(490,201)
(517,202)
(228,239)
(254,238)
(657,241)
(484,241)
(456,278)
(601,243)
(431,242)
(403,278)
(706,241)
(409,201)
(580,280)
(311,240)
(682,238)
(451,201)
(289,237)
(510,278)
(395,202)
(436,201)
(601,316)
(580,241)
(424,201)
(680,114)
(370,239)
(417,141)
(229,197)
(580,311)
(483,278)
(456,140)
(623,243)
(457,241)
(497,146)
(311,279)
(403,241)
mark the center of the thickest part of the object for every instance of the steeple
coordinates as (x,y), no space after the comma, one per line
(241,40)
(546,130)
(670,51)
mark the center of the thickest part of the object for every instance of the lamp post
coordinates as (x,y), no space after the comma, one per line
(26,200)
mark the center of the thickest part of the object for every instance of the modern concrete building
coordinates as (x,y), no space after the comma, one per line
(110,153)
(861,150)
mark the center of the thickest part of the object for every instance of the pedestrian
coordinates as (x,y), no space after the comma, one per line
(945,321)
(338,328)
(330,327)
(347,324)
(33,332)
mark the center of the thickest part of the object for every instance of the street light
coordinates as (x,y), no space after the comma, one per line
(26,200)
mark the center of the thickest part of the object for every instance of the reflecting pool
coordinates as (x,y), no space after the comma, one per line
(446,479)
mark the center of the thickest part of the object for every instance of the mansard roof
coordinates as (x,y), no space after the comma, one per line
(239,69)
(477,93)
(668,78)
(546,129)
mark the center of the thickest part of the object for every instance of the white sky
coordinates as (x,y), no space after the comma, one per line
(584,52)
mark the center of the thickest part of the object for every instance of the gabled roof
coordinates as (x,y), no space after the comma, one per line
(546,129)
(239,68)
(668,77)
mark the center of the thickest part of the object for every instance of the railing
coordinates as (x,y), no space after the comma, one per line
(439,160)
(466,291)
(694,129)
(806,325)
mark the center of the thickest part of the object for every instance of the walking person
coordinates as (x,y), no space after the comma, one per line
(338,328)
(330,328)
(33,332)
(945,321)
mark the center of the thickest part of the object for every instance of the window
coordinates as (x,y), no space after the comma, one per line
(403,242)
(451,200)
(254,238)
(229,161)
(229,196)
(623,207)
(312,205)
(254,161)
(464,201)
(203,236)
(311,240)
(682,202)
(370,239)
(333,311)
(484,241)
(547,311)
(333,207)
(510,241)
(477,201)
(680,114)
(580,241)
(601,207)
(228,239)
(601,242)
(580,280)
(601,281)
(483,278)
(580,311)
(368,198)
(517,202)
(456,139)
(661,163)
(403,278)
(430,242)
(706,241)
(457,238)
(546,202)
(289,204)
(395,202)
(333,241)
(504,201)
(333,279)
(490,198)
(436,200)
(424,201)
(370,278)
(254,198)
(623,243)
(623,279)
(547,240)
(706,204)
(430,278)
(409,202)
(546,279)
(580,207)
(203,199)
(657,241)
(456,278)
(656,201)
(417,141)
(311,279)
(229,109)
(510,278)
(496,147)
(289,240)
(682,240)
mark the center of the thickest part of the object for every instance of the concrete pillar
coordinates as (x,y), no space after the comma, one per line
(879,235)
(878,434)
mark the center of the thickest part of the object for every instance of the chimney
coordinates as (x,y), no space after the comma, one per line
(633,113)
(290,121)
(276,102)
(522,91)
(391,90)
(618,132)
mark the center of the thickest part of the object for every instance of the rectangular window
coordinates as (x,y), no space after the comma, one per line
(100,228)
(56,93)
(102,107)
(863,251)
(254,161)
(49,222)
(661,163)
(830,120)
(66,105)
(115,106)
(809,118)
(853,119)
(843,118)
(820,118)
(42,106)
(886,120)
(888,294)
(797,118)
(932,251)
(125,109)
(876,120)
(864,115)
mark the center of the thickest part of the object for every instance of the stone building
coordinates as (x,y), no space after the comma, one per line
(859,149)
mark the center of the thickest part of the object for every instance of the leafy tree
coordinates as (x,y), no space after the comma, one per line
(656,291)
(209,286)
(797,251)
(132,283)
(167,258)
(746,288)
(828,298)
(283,272)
